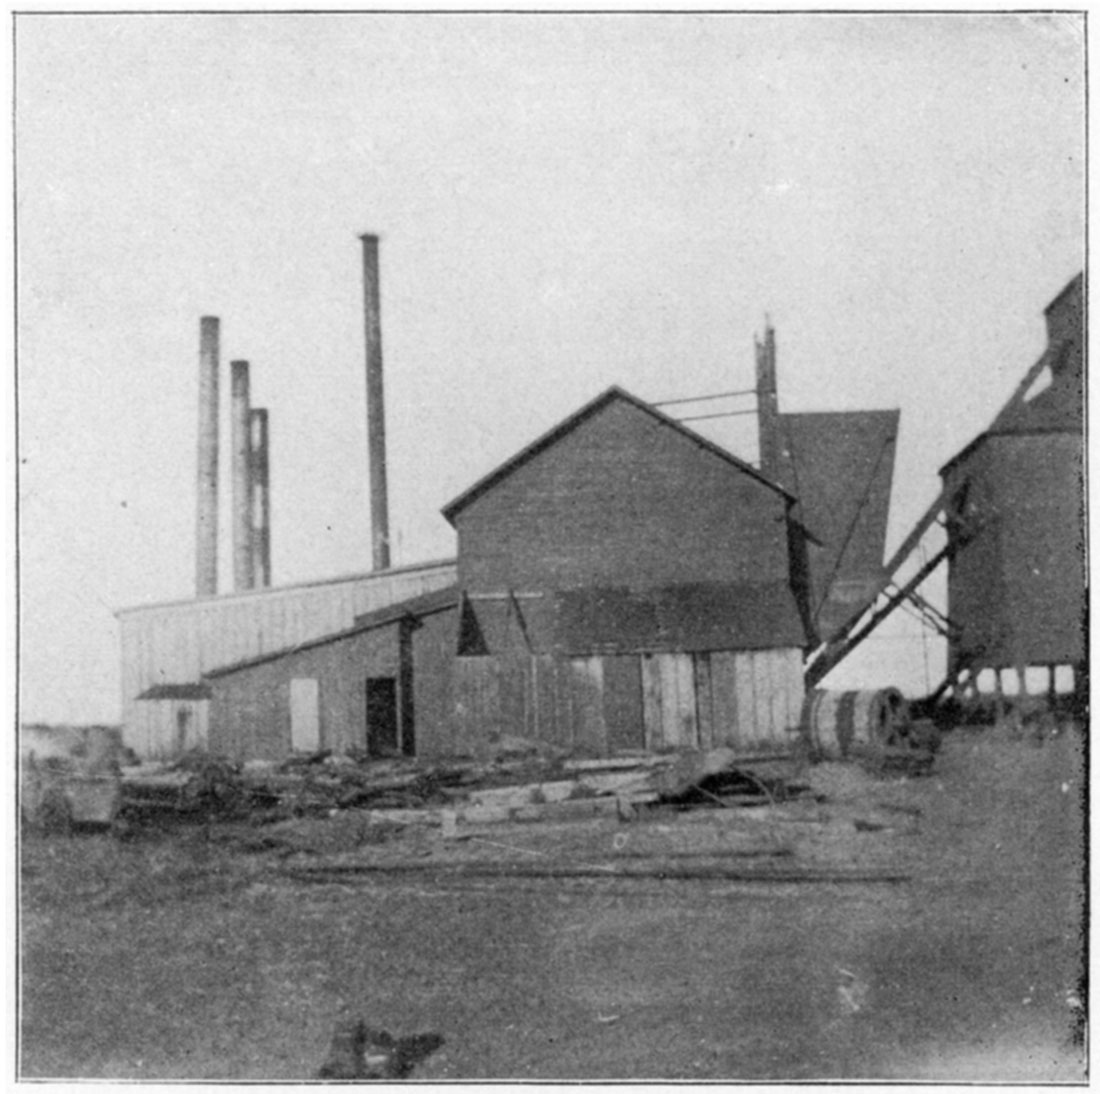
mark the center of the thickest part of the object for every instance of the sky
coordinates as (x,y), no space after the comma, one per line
(564,202)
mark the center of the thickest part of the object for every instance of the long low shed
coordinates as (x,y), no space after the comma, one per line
(380,688)
(174,644)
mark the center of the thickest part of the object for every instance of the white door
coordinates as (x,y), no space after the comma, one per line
(305,717)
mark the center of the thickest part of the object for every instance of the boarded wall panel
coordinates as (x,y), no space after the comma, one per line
(746,699)
(704,700)
(589,731)
(668,681)
(622,703)
(476,703)
(723,692)
(305,720)
(652,717)
(513,672)
(687,720)
(433,670)
(777,695)
(794,687)
(679,726)
(761,690)
(544,700)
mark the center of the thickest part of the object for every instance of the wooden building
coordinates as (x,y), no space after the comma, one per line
(627,584)
(378,688)
(166,648)
(1017,592)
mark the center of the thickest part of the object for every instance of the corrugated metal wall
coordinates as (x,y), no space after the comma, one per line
(603,704)
(176,643)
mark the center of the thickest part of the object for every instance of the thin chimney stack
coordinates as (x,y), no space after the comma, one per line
(261,500)
(241,432)
(206,522)
(767,404)
(376,418)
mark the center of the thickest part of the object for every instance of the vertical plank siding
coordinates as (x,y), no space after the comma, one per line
(679,728)
(723,698)
(744,730)
(704,700)
(652,716)
(589,729)
(622,703)
(477,703)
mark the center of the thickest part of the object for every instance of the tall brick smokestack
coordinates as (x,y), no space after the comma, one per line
(376,417)
(241,433)
(206,516)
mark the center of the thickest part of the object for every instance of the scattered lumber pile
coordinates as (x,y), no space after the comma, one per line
(527,788)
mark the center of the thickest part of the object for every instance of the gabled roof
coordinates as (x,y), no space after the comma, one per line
(414,608)
(612,394)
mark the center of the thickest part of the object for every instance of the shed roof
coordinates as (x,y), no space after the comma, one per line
(414,608)
(552,436)
(176,691)
(698,616)
(276,591)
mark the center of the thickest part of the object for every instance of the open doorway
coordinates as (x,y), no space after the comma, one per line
(382,728)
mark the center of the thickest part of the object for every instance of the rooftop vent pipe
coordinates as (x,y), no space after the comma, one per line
(206,516)
(376,419)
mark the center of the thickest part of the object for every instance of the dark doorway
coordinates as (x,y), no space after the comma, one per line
(382,735)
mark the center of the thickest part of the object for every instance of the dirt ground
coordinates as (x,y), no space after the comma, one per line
(223,953)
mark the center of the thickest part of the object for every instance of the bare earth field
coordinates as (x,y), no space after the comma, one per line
(227,952)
